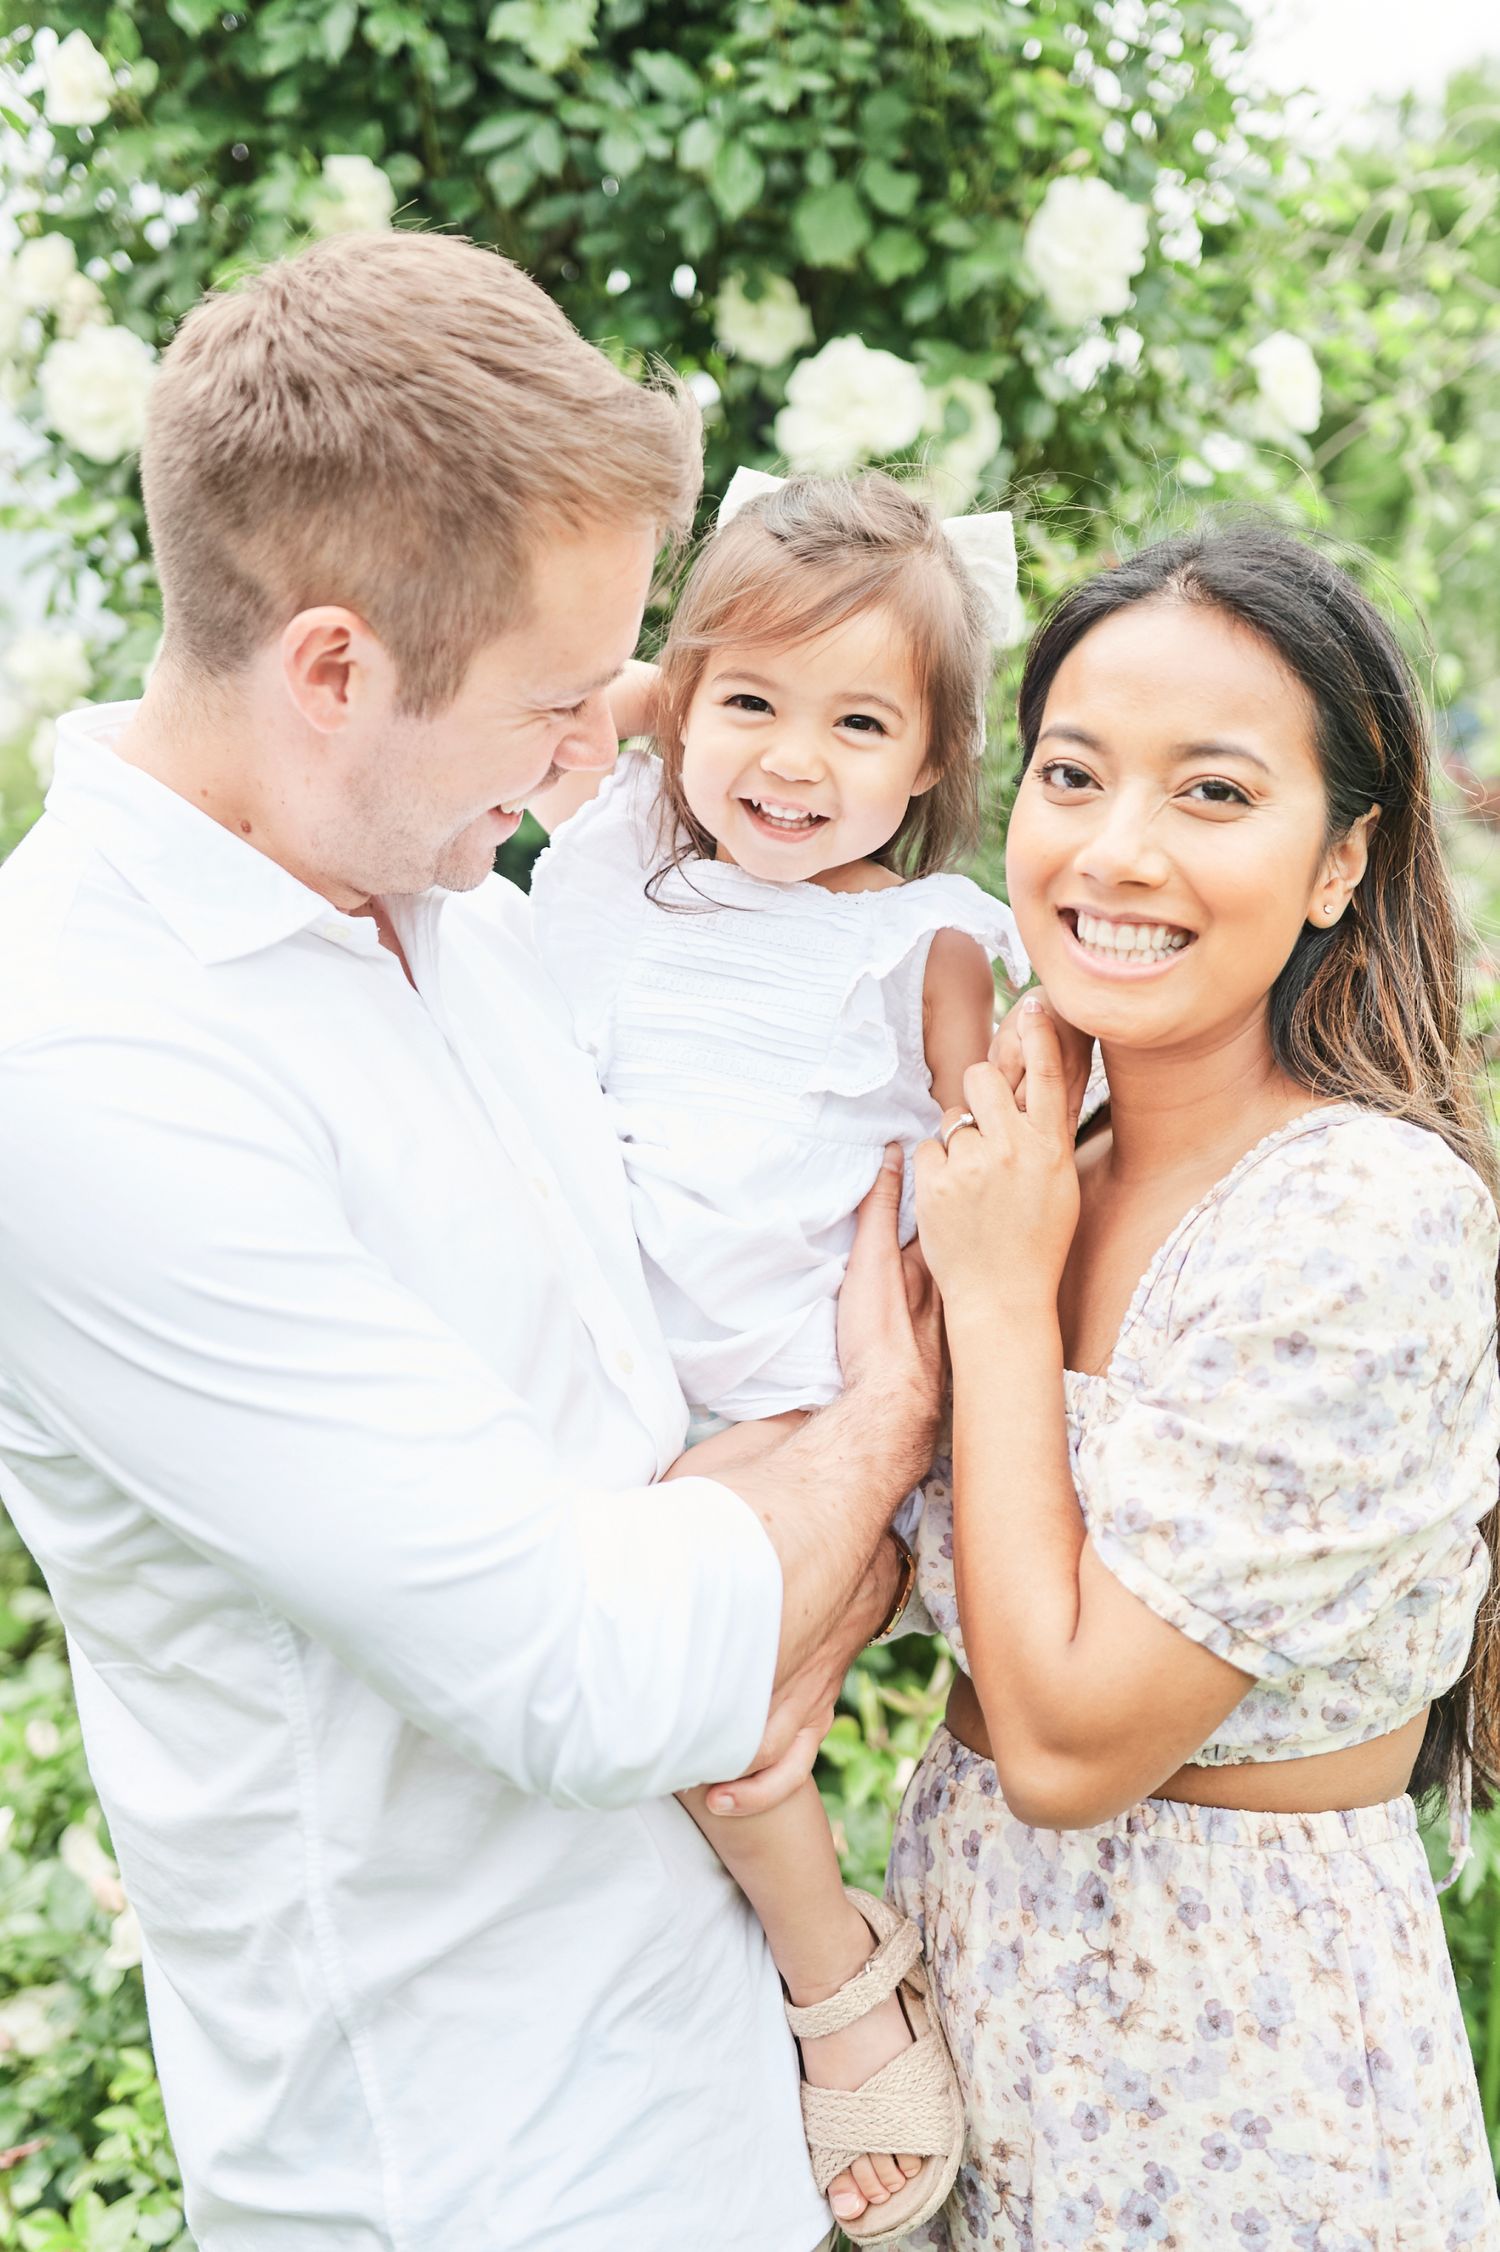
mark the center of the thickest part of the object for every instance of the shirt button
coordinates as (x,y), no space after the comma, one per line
(625,1363)
(541,1187)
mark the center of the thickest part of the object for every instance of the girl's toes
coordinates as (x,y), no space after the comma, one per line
(909,2166)
(887,2171)
(847,2202)
(868,2182)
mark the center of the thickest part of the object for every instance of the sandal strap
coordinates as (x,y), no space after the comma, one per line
(888,1967)
(907,2105)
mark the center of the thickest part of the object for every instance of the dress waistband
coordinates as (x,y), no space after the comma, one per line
(1340,1830)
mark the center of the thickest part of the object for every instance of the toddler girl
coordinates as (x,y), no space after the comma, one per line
(775,979)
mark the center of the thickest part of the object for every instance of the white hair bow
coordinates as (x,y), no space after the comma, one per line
(986,546)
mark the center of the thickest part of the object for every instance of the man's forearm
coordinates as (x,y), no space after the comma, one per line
(825,1496)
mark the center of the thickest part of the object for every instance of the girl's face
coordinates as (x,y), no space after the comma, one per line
(801,759)
(1169,837)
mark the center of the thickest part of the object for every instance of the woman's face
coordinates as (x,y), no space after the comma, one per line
(1168,839)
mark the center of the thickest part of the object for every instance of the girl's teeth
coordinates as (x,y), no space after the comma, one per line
(784,820)
(1133,942)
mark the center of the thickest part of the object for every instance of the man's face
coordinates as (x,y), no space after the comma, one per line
(427,801)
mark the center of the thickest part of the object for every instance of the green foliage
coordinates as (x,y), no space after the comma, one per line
(85,2161)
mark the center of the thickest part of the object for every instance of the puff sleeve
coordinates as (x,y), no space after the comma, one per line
(1302,1437)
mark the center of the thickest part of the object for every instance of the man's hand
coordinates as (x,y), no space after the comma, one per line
(803,1708)
(891,1324)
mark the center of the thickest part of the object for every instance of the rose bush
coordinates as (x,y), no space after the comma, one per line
(1041,248)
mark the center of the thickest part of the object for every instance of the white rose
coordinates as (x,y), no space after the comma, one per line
(81,1852)
(765,330)
(124,1950)
(31,2022)
(351,197)
(51,669)
(80,306)
(12,312)
(849,404)
(959,458)
(1289,383)
(94,390)
(77,83)
(42,751)
(1083,247)
(43,268)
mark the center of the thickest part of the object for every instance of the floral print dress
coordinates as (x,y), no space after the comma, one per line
(1198,2028)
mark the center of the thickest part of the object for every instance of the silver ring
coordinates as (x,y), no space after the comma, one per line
(946,1133)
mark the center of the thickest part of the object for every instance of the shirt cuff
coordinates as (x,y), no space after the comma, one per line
(693,1559)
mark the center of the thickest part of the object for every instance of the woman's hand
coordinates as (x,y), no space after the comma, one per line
(997,1210)
(1077,1053)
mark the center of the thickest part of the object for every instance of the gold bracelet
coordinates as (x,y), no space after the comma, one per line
(897,1610)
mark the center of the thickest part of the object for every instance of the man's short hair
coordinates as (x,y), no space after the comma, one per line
(390,422)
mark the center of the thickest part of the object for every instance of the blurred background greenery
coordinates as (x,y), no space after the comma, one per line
(1070,256)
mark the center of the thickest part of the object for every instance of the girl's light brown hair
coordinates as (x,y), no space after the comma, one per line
(1371,1010)
(801,561)
(389,423)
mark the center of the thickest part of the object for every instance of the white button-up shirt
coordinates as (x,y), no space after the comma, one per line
(331,1400)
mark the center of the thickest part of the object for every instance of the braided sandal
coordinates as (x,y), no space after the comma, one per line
(911,2104)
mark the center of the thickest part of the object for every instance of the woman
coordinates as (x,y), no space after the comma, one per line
(1226,1421)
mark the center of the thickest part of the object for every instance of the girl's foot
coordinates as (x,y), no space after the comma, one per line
(847,2060)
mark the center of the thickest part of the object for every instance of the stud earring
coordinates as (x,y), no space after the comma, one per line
(1328,907)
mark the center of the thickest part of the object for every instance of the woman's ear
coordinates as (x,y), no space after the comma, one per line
(1342,871)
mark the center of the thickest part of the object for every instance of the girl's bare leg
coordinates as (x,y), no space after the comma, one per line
(784,1863)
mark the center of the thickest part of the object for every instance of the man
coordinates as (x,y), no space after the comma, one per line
(331,1399)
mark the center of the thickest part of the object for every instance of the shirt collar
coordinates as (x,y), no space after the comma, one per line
(219,895)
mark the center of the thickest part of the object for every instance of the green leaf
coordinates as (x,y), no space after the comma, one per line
(957,19)
(885,114)
(830,225)
(338,29)
(736,179)
(889,190)
(552,32)
(195,17)
(666,75)
(511,178)
(620,152)
(546,148)
(501,131)
(698,145)
(895,253)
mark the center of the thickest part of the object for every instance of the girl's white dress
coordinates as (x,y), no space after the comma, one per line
(759,1045)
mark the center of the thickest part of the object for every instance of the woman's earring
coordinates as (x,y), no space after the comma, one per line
(1328,906)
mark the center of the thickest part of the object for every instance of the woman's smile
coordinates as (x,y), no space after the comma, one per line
(1123,945)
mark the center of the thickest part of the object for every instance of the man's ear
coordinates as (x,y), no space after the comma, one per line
(333,667)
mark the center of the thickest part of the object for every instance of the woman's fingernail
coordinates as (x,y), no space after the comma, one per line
(1033,1004)
(721,1802)
(894,1159)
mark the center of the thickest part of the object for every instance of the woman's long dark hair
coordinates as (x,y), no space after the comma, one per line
(1372,1010)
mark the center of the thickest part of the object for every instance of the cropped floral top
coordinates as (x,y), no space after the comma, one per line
(1290,1453)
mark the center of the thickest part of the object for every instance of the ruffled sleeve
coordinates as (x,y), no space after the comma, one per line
(588,893)
(1307,1436)
(864,1050)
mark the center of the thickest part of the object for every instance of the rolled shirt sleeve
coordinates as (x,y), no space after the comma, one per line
(185,1305)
